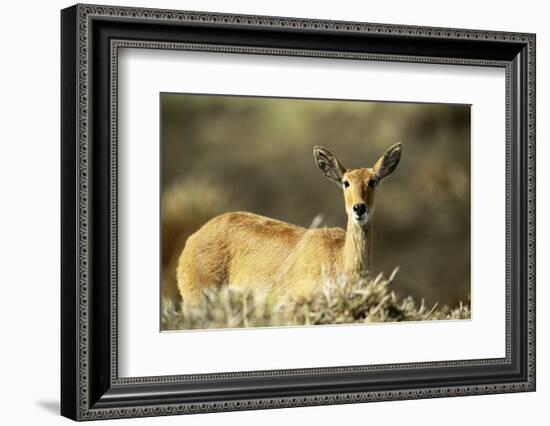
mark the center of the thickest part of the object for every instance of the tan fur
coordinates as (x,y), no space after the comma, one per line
(249,251)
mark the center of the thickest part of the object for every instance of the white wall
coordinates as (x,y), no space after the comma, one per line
(29,225)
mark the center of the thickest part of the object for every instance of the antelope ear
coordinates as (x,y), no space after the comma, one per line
(329,164)
(388,162)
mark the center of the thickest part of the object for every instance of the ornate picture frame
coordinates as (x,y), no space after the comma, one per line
(91,37)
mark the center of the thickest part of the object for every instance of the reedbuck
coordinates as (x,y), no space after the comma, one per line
(249,251)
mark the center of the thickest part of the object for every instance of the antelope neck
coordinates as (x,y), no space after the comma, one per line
(358,248)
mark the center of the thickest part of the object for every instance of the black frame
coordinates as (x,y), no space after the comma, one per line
(91,37)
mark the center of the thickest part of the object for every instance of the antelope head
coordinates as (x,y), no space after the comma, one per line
(358,185)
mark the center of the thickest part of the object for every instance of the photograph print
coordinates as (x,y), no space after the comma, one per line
(303,212)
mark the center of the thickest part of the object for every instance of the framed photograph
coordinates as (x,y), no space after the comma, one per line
(263,212)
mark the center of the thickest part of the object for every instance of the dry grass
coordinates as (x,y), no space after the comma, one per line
(348,301)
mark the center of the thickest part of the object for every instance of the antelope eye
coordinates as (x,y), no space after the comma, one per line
(373,183)
(346,184)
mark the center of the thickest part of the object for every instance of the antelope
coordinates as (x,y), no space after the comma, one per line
(248,251)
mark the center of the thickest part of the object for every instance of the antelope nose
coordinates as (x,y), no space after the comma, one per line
(359,208)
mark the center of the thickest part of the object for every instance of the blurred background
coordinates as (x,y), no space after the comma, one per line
(226,153)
